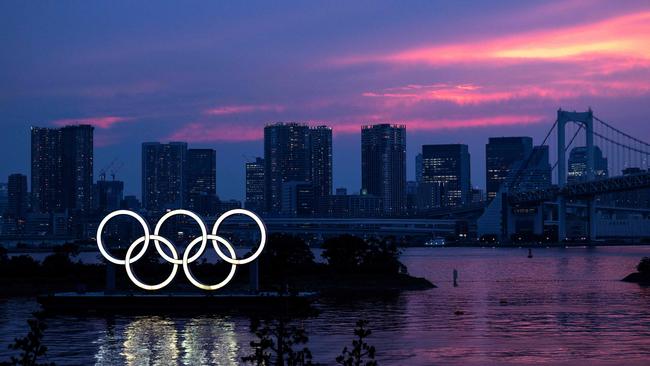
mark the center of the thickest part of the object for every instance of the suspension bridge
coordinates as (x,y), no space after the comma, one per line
(610,162)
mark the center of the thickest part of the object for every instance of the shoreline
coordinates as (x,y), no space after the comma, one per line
(323,284)
(42,250)
(642,279)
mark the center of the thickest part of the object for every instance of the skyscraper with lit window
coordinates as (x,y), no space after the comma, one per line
(164,175)
(577,165)
(62,168)
(448,168)
(534,172)
(320,141)
(201,180)
(383,165)
(286,158)
(255,185)
(501,153)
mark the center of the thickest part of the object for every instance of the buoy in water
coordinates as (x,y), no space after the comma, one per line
(530,253)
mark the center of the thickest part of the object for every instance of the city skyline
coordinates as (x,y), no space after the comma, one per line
(447,81)
(293,180)
(510,142)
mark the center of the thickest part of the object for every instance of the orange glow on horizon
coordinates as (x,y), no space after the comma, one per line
(625,37)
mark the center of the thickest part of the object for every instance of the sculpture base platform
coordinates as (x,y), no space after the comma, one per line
(126,302)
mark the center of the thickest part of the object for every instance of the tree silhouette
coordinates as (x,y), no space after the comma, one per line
(31,346)
(361,354)
(345,253)
(351,254)
(276,342)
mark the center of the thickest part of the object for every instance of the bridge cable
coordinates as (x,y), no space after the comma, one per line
(569,145)
(622,133)
(523,166)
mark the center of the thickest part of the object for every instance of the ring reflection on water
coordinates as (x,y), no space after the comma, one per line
(155,340)
(151,341)
(210,341)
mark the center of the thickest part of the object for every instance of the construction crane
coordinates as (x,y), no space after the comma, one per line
(116,168)
(112,168)
(102,172)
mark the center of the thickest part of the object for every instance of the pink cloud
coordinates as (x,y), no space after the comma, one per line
(469,94)
(242,108)
(458,94)
(623,37)
(99,122)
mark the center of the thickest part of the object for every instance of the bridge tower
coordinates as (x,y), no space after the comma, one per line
(586,120)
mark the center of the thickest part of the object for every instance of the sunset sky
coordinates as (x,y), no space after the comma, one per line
(213,74)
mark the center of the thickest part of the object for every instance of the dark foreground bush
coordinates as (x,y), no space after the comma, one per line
(351,254)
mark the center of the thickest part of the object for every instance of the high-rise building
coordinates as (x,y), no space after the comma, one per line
(255,185)
(297,199)
(577,165)
(429,196)
(411,197)
(501,153)
(383,165)
(17,196)
(78,166)
(201,180)
(448,166)
(110,194)
(286,158)
(47,169)
(4,199)
(418,168)
(477,196)
(164,169)
(535,172)
(62,168)
(320,141)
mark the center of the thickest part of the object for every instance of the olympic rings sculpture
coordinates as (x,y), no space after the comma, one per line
(185,260)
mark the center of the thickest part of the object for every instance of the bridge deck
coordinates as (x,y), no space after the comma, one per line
(584,189)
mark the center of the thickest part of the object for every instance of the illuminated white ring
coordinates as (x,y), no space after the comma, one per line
(135,279)
(257,220)
(188,272)
(204,235)
(100,228)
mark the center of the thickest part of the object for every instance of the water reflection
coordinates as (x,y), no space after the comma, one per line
(210,341)
(151,341)
(109,345)
(161,341)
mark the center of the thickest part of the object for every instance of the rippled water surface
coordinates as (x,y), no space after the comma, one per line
(564,306)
